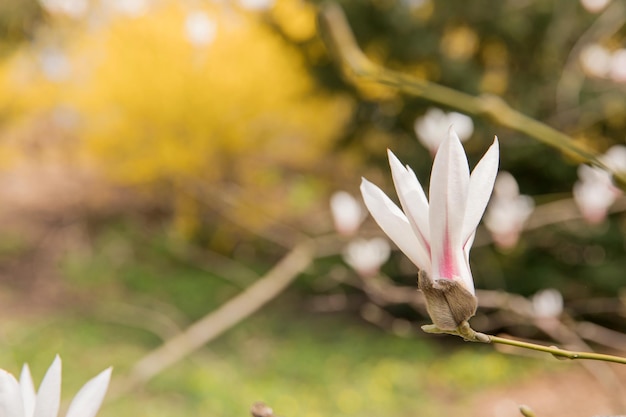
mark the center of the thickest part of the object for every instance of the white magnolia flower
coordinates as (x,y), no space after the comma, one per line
(347,213)
(547,303)
(433,126)
(595,60)
(595,192)
(367,256)
(18,399)
(507,211)
(200,29)
(437,234)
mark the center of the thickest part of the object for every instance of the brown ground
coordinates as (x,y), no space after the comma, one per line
(570,393)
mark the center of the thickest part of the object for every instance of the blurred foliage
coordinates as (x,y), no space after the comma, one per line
(18,21)
(148,108)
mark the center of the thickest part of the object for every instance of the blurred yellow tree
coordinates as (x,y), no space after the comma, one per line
(179,97)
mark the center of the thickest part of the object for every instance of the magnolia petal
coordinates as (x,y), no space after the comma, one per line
(480,188)
(412,199)
(448,196)
(394,223)
(28,391)
(49,394)
(89,399)
(11,404)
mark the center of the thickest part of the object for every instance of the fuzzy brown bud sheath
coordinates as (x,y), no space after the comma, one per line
(448,302)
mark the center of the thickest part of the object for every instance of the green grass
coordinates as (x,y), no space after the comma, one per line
(303,366)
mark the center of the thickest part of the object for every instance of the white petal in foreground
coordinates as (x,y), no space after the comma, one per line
(88,400)
(413,201)
(10,396)
(49,394)
(28,390)
(481,184)
(449,184)
(394,223)
(19,400)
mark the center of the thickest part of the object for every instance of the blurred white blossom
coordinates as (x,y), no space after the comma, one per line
(367,256)
(18,399)
(507,211)
(594,6)
(55,64)
(347,212)
(617,70)
(547,303)
(615,158)
(72,8)
(595,60)
(433,127)
(134,8)
(595,191)
(200,29)
(256,5)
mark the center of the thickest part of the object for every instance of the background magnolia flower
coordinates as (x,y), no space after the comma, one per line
(18,399)
(594,6)
(347,212)
(617,70)
(437,234)
(256,5)
(507,211)
(595,60)
(433,127)
(200,29)
(595,192)
(547,303)
(598,61)
(367,256)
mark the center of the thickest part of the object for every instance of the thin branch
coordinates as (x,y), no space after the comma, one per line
(222,319)
(342,43)
(470,335)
